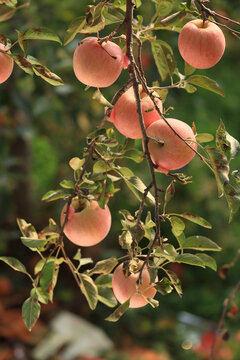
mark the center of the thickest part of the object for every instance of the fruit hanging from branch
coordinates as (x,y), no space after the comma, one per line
(6,64)
(201,43)
(167,150)
(87,226)
(125,117)
(126,287)
(97,65)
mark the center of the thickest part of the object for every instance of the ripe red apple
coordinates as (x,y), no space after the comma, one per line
(97,65)
(87,227)
(173,153)
(124,114)
(126,287)
(201,44)
(6,64)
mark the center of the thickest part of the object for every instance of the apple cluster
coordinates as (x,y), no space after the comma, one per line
(99,64)
(201,44)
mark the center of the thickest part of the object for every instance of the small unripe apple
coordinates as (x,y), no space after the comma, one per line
(97,65)
(127,287)
(88,226)
(201,44)
(124,114)
(167,150)
(6,64)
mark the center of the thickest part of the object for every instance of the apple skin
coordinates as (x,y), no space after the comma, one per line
(94,65)
(6,64)
(124,114)
(201,44)
(87,227)
(125,287)
(174,153)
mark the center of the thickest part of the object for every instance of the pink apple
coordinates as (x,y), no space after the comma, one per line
(201,44)
(124,114)
(126,287)
(6,64)
(97,65)
(87,227)
(173,153)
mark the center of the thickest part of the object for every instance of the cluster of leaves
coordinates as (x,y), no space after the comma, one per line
(102,179)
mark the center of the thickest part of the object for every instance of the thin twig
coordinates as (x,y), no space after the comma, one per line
(146,191)
(222,319)
(215,14)
(118,94)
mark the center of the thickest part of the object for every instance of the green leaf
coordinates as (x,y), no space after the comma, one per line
(220,167)
(30,312)
(23,63)
(208,261)
(75,27)
(195,219)
(76,163)
(33,243)
(27,229)
(135,183)
(134,154)
(113,15)
(41,33)
(9,3)
(164,58)
(153,302)
(206,83)
(198,242)
(163,7)
(232,193)
(54,195)
(89,290)
(6,14)
(104,267)
(189,88)
(115,316)
(14,263)
(190,259)
(175,281)
(125,240)
(67,184)
(188,69)
(104,281)
(226,143)
(178,225)
(41,295)
(100,166)
(172,22)
(169,193)
(98,96)
(204,137)
(49,277)
(106,296)
(47,75)
(164,286)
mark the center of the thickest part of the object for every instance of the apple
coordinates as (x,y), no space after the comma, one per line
(124,114)
(173,153)
(88,226)
(126,287)
(201,44)
(6,64)
(97,65)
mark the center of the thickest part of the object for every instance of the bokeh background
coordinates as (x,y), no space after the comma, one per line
(41,129)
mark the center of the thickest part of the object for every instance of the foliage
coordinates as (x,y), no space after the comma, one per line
(102,169)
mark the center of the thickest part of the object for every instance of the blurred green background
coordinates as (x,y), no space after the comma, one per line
(42,128)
